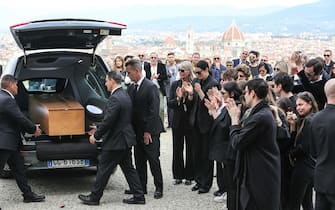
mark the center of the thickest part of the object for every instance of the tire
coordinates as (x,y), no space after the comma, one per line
(6,172)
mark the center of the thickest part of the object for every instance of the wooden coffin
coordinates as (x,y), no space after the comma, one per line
(57,115)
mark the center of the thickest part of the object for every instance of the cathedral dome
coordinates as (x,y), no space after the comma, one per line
(233,34)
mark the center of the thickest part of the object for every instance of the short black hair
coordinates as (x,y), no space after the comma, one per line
(114,75)
(285,80)
(202,64)
(260,87)
(316,64)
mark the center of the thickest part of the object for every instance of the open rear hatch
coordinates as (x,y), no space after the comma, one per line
(63,34)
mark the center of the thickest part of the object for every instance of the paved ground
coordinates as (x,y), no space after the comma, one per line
(63,186)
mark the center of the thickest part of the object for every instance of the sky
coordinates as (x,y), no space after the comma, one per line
(127,11)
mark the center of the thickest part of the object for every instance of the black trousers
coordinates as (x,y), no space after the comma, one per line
(151,153)
(16,164)
(230,184)
(203,167)
(182,169)
(107,163)
(301,187)
(220,176)
(324,201)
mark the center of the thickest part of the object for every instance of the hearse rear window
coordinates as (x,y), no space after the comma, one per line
(41,85)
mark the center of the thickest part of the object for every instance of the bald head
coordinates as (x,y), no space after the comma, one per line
(330,91)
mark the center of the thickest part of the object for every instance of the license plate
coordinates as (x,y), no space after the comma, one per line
(68,163)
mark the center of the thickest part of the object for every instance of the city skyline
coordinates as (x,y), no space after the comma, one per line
(130,12)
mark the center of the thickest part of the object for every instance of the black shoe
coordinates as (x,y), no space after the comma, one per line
(177,181)
(195,187)
(158,194)
(129,192)
(32,197)
(134,200)
(88,199)
(218,193)
(202,190)
(188,182)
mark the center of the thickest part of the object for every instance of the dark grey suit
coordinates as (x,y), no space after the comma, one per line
(12,122)
(146,119)
(323,145)
(118,138)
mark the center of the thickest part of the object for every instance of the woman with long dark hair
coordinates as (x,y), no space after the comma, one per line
(300,155)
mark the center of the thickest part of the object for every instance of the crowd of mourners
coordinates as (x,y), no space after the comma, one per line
(254,121)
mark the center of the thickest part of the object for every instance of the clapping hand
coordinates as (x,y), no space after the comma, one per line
(234,111)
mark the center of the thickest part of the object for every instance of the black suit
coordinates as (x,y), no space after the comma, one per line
(237,61)
(12,122)
(118,137)
(201,123)
(323,147)
(162,78)
(146,119)
(181,132)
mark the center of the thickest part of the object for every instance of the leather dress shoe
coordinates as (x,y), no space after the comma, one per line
(177,181)
(188,182)
(202,190)
(32,197)
(158,194)
(195,187)
(134,200)
(129,192)
(88,199)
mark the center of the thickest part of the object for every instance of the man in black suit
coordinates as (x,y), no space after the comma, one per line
(156,72)
(147,125)
(258,158)
(12,121)
(323,133)
(118,138)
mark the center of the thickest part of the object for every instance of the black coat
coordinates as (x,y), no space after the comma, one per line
(258,159)
(181,109)
(219,139)
(323,145)
(12,122)
(199,118)
(116,127)
(162,78)
(146,108)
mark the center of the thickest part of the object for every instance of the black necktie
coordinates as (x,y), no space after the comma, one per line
(135,90)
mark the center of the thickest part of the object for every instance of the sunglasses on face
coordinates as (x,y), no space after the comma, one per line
(153,57)
(216,58)
(181,70)
(276,69)
(326,55)
(140,55)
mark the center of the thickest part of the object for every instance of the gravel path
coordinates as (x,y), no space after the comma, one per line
(62,187)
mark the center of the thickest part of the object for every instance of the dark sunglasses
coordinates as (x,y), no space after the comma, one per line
(276,69)
(326,55)
(182,70)
(153,57)
(140,55)
(216,58)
